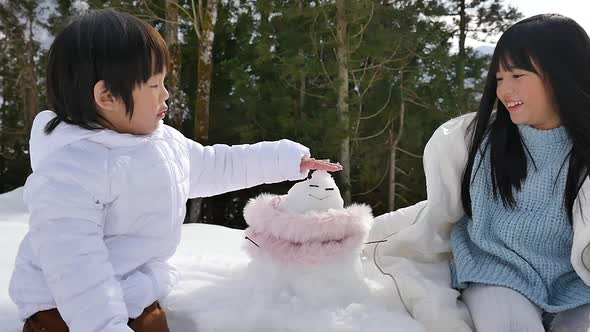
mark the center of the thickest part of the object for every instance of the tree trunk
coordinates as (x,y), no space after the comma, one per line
(29,89)
(205,72)
(302,78)
(302,87)
(176,113)
(3,187)
(460,65)
(392,166)
(342,53)
(204,75)
(298,130)
(394,140)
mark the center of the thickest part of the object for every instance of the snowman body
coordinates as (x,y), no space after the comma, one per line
(307,243)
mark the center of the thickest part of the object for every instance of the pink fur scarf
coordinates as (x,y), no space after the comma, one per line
(309,238)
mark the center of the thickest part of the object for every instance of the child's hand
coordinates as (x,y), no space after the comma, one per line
(322,165)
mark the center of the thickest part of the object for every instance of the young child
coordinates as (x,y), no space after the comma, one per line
(110,182)
(508,190)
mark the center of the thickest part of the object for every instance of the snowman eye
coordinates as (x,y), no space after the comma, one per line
(329,188)
(314,185)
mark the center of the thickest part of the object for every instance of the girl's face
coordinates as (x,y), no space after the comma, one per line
(149,108)
(527,98)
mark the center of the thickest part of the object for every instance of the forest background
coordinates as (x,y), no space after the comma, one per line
(362,82)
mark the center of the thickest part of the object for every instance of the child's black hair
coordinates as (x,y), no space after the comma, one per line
(117,48)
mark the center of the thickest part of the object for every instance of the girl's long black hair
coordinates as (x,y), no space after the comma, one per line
(560,49)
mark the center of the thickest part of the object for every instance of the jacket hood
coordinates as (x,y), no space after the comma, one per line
(42,145)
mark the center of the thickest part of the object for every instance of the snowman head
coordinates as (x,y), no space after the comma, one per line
(319,193)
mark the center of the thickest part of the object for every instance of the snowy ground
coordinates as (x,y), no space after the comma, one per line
(219,293)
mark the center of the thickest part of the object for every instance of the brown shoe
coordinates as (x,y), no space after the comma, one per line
(46,321)
(152,319)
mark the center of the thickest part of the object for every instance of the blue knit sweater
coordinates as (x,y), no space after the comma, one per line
(526,248)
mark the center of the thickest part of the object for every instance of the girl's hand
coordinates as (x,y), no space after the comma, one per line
(322,165)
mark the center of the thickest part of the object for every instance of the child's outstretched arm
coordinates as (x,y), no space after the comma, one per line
(221,168)
(66,236)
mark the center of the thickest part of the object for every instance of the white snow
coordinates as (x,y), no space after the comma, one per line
(12,207)
(218,292)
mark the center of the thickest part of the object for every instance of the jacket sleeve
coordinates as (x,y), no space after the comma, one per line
(66,235)
(391,223)
(581,221)
(221,168)
(151,282)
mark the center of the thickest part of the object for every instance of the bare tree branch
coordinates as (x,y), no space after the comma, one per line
(370,84)
(328,22)
(401,171)
(375,187)
(323,65)
(412,101)
(152,14)
(196,18)
(364,26)
(382,108)
(409,153)
(403,186)
(402,197)
(295,88)
(361,32)
(374,135)
(184,10)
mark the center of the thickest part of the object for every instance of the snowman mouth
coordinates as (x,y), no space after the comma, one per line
(319,199)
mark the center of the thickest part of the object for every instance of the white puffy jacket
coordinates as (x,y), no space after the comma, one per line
(106,214)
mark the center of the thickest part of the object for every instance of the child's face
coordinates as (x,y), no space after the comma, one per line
(149,107)
(527,98)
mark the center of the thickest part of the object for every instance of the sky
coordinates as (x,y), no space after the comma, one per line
(578,10)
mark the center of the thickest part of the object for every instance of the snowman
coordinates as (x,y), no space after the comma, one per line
(308,243)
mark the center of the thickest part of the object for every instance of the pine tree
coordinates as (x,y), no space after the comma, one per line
(477,19)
